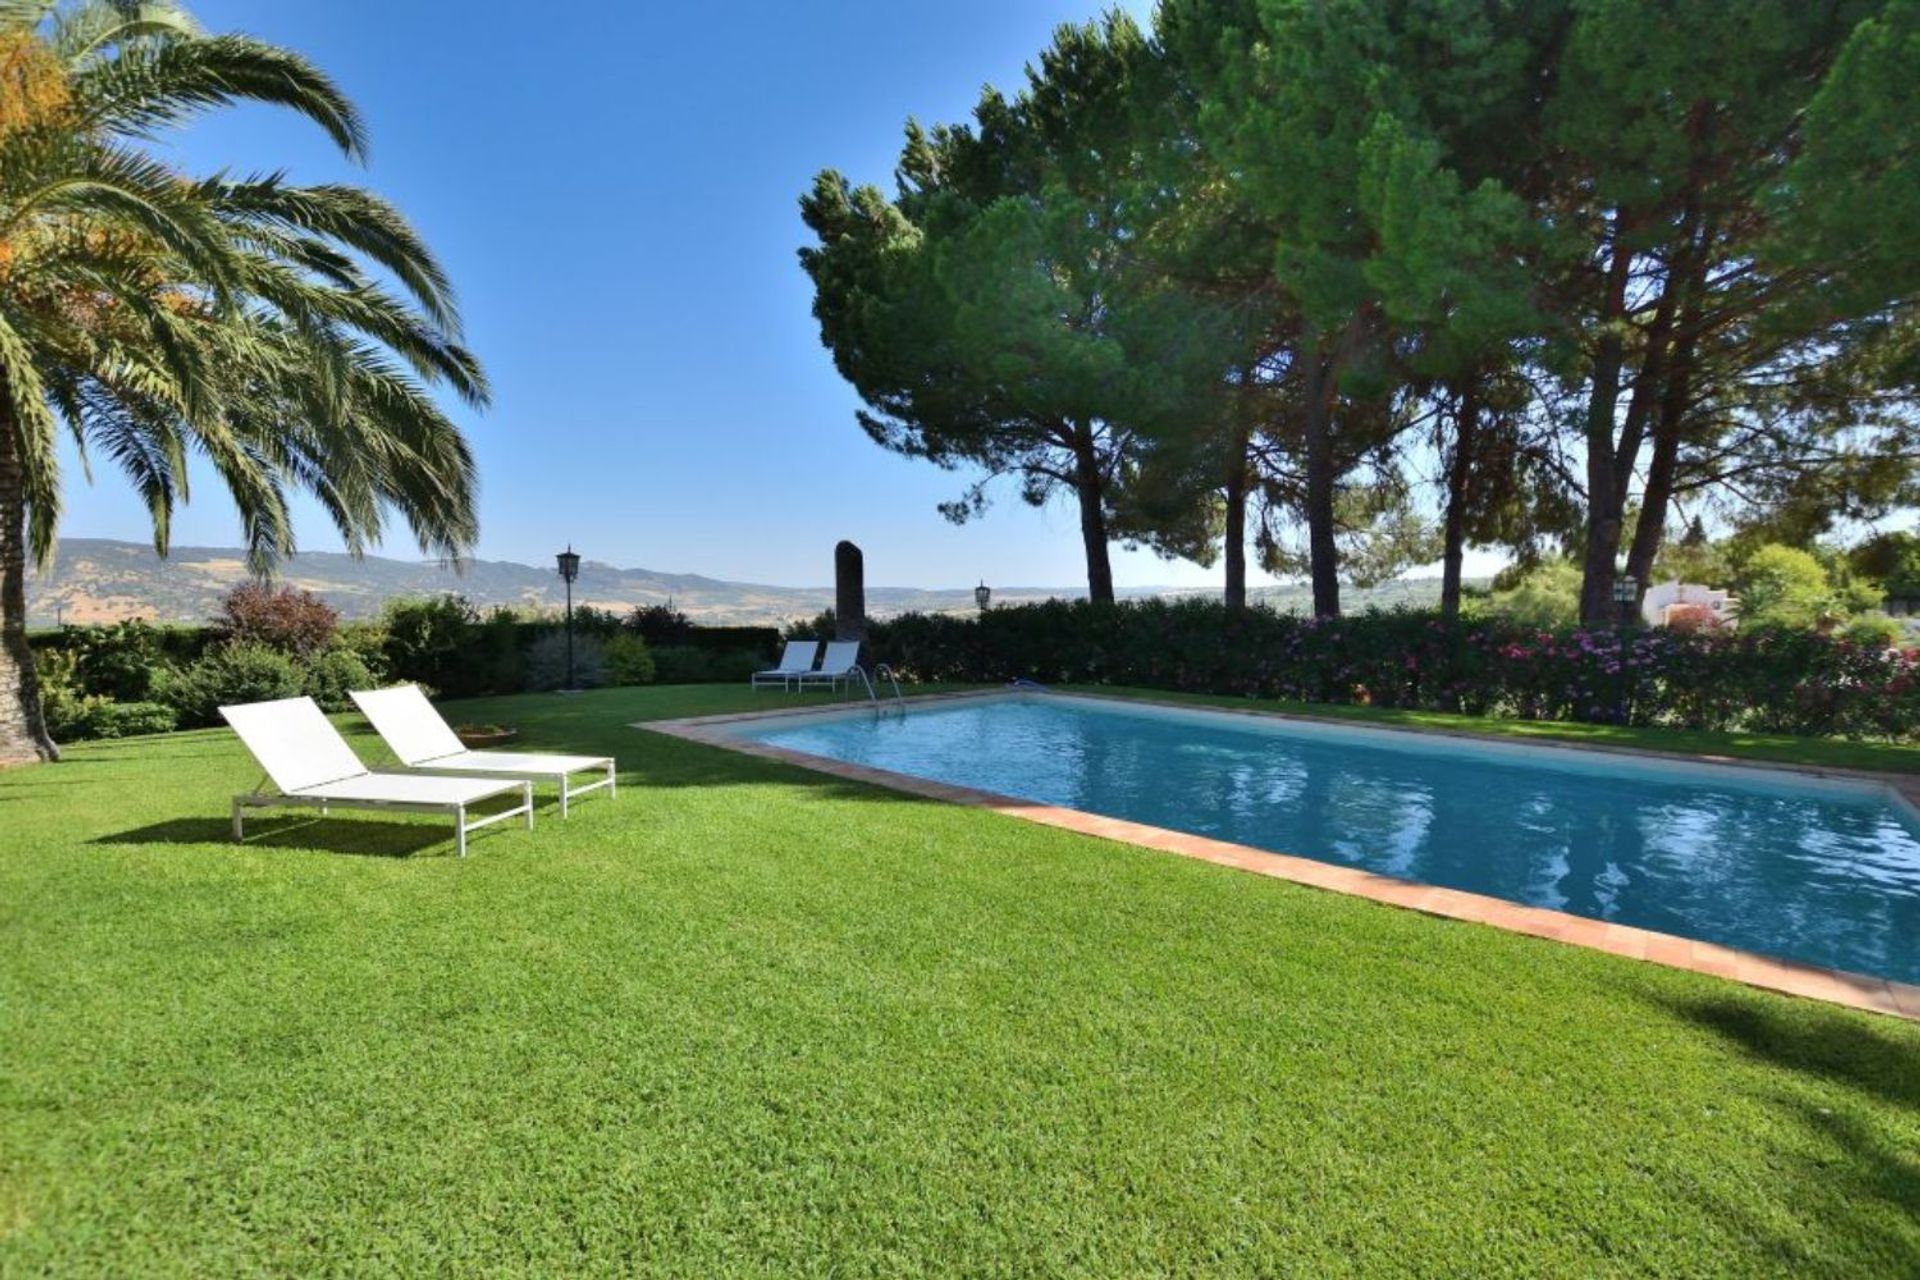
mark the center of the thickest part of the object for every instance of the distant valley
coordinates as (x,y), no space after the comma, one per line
(98,580)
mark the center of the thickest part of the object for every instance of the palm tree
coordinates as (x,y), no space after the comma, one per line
(290,336)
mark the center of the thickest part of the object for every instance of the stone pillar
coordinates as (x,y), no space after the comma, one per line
(849,593)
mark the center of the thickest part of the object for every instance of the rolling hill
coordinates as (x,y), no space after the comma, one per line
(98,580)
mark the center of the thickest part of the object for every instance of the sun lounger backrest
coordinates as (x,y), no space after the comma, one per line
(294,743)
(841,656)
(798,655)
(409,724)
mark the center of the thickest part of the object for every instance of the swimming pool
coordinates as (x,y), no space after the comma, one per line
(1819,870)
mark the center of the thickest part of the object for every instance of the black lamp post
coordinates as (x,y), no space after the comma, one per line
(569,570)
(981,595)
(1626,594)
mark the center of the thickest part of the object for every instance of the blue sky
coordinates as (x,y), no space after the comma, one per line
(614,189)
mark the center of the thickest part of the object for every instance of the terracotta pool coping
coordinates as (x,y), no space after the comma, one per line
(1877,995)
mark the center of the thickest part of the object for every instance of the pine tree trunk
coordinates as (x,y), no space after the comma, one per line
(1236,531)
(1090,487)
(1323,554)
(1459,475)
(23,731)
(1606,494)
(1658,495)
(1670,415)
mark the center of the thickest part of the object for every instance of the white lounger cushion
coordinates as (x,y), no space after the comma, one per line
(797,656)
(419,736)
(840,659)
(294,742)
(409,724)
(315,768)
(517,762)
(410,788)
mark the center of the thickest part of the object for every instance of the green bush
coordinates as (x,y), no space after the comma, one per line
(62,703)
(1784,587)
(547,662)
(118,661)
(629,661)
(681,664)
(1875,631)
(234,674)
(498,649)
(1545,595)
(660,624)
(429,640)
(688,664)
(127,719)
(332,675)
(366,641)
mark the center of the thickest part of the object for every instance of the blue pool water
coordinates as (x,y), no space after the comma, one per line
(1826,872)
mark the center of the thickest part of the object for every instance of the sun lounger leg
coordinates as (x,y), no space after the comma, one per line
(526,798)
(613,781)
(563,795)
(460,829)
(239,821)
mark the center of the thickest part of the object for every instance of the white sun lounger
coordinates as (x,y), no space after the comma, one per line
(420,739)
(314,768)
(796,660)
(841,663)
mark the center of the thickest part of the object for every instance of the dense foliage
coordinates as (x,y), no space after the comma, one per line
(1783,680)
(1362,284)
(272,644)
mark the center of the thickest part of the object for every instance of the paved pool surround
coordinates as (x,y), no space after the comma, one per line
(1878,995)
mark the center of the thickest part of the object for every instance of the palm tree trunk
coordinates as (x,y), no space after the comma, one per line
(23,731)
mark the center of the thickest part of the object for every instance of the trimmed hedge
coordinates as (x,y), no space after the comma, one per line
(1799,682)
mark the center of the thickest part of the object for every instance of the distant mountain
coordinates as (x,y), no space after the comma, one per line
(97,580)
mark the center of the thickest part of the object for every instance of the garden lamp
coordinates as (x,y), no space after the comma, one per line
(982,594)
(1626,592)
(569,562)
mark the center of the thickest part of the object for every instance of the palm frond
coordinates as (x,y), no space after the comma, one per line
(23,16)
(153,84)
(295,337)
(97,29)
(357,219)
(34,430)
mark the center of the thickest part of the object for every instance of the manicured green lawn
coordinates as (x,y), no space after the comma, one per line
(751,1020)
(1777,748)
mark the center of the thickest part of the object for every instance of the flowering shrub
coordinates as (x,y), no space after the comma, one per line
(1693,617)
(285,619)
(1781,681)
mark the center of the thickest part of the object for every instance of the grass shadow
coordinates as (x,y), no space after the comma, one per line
(1854,1053)
(1853,1167)
(351,836)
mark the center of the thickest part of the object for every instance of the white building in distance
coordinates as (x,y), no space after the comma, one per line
(1657,606)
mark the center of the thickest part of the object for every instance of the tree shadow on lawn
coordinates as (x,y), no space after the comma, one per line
(665,762)
(356,837)
(1875,1180)
(1843,1049)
